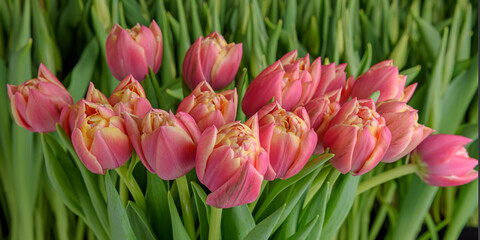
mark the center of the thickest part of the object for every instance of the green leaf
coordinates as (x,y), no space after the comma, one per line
(203,210)
(157,207)
(411,73)
(303,232)
(119,224)
(133,13)
(316,207)
(375,96)
(264,229)
(366,61)
(465,206)
(237,222)
(179,231)
(400,53)
(450,54)
(138,220)
(82,73)
(431,36)
(464,37)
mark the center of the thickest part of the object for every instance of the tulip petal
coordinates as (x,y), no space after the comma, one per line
(379,151)
(341,140)
(192,68)
(221,166)
(132,56)
(87,158)
(41,113)
(133,131)
(226,67)
(452,180)
(304,152)
(204,149)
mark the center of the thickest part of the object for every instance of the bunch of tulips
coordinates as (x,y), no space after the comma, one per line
(295,108)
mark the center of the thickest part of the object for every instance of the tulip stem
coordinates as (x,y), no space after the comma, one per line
(385,177)
(123,193)
(215,222)
(187,212)
(132,186)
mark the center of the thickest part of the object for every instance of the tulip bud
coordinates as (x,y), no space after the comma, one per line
(290,81)
(165,143)
(383,77)
(231,163)
(209,108)
(332,78)
(133,51)
(95,96)
(130,97)
(99,138)
(443,161)
(358,137)
(211,59)
(287,138)
(321,111)
(68,117)
(37,103)
(402,121)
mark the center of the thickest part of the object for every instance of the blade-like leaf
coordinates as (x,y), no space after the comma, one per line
(139,222)
(119,224)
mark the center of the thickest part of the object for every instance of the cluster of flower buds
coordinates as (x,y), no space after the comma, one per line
(315,108)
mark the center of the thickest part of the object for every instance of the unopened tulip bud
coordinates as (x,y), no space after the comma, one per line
(209,108)
(443,161)
(133,51)
(130,97)
(213,60)
(37,103)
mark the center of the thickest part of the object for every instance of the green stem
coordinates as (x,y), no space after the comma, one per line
(123,193)
(187,213)
(386,176)
(132,186)
(215,223)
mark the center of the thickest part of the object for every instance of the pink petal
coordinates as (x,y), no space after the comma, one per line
(41,113)
(204,149)
(159,45)
(132,124)
(226,67)
(87,158)
(341,140)
(260,92)
(132,55)
(221,166)
(448,181)
(192,66)
(306,149)
(383,142)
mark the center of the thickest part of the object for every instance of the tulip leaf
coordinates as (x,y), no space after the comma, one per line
(264,229)
(411,73)
(464,38)
(138,220)
(133,13)
(450,54)
(119,224)
(399,54)
(179,231)
(237,222)
(431,36)
(157,206)
(82,73)
(465,206)
(203,210)
(366,60)
(303,232)
(5,121)
(339,204)
(375,96)
(317,206)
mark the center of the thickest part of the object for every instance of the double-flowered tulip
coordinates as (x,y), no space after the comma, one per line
(383,77)
(133,51)
(290,81)
(358,136)
(288,139)
(211,59)
(130,97)
(402,121)
(209,108)
(166,144)
(37,103)
(231,163)
(443,161)
(332,78)
(99,137)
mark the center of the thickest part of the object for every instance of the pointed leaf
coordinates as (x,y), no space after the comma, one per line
(179,231)
(264,229)
(140,225)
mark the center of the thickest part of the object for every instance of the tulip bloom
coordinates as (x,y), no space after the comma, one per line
(443,161)
(133,51)
(99,138)
(165,143)
(402,121)
(383,77)
(209,108)
(130,97)
(37,103)
(358,137)
(332,78)
(231,163)
(211,59)
(290,81)
(287,138)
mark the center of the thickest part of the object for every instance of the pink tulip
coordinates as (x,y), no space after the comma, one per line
(402,121)
(443,161)
(68,117)
(231,163)
(383,77)
(133,51)
(99,138)
(358,137)
(130,97)
(332,78)
(212,59)
(165,143)
(287,138)
(321,111)
(290,81)
(95,96)
(37,103)
(209,108)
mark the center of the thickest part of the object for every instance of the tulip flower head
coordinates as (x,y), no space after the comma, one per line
(210,108)
(443,161)
(130,97)
(290,81)
(37,103)
(213,60)
(287,138)
(166,144)
(133,51)
(332,78)
(407,133)
(99,138)
(231,163)
(358,136)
